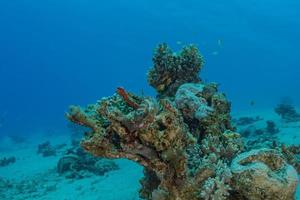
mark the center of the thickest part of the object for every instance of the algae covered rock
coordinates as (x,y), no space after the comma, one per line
(46,149)
(7,161)
(263,174)
(189,101)
(184,138)
(287,112)
(76,164)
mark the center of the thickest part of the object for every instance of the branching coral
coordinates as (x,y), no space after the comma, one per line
(171,70)
(287,112)
(184,138)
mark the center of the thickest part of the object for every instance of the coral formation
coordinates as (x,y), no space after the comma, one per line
(271,127)
(292,155)
(78,164)
(171,70)
(184,138)
(287,112)
(191,105)
(263,174)
(46,149)
(7,161)
(255,136)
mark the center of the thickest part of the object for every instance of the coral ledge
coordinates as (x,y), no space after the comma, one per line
(183,138)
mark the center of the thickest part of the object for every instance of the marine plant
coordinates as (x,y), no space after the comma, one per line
(183,138)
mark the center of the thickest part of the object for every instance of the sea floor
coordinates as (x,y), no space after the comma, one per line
(33,176)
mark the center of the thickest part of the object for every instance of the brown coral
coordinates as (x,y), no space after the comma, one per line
(171,70)
(184,138)
(263,175)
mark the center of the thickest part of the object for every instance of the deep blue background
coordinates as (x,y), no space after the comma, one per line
(54,53)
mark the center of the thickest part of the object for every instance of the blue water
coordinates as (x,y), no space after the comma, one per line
(56,53)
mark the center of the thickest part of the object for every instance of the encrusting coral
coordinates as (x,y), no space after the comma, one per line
(263,174)
(184,138)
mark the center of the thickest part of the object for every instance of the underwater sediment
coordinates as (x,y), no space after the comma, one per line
(184,137)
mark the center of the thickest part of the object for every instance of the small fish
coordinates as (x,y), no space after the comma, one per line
(215,53)
(220,42)
(252,103)
(179,43)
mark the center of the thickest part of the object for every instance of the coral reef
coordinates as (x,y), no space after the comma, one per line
(171,70)
(184,138)
(263,174)
(191,105)
(287,112)
(76,164)
(46,149)
(7,161)
(256,137)
(292,155)
(271,127)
